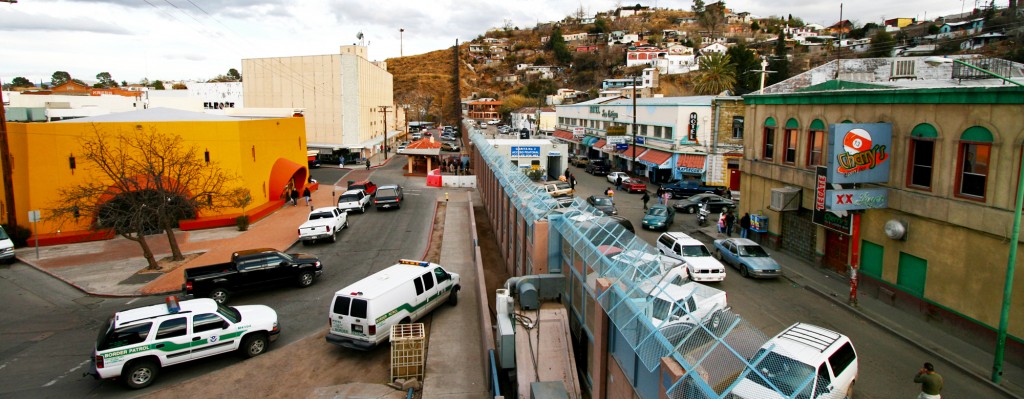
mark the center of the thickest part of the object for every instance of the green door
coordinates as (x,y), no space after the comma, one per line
(871,256)
(912,273)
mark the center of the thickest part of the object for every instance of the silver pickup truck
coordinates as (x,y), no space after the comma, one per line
(323,223)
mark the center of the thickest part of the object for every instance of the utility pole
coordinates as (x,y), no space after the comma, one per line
(384,109)
(401,31)
(5,157)
(632,165)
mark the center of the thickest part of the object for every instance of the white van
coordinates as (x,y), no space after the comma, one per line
(6,247)
(702,266)
(804,361)
(362,314)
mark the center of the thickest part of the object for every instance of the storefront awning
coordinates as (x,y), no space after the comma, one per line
(564,135)
(656,158)
(691,163)
(599,144)
(628,152)
(588,140)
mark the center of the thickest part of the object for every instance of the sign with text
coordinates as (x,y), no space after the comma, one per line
(639,140)
(852,200)
(615,140)
(621,146)
(578,132)
(616,130)
(859,152)
(525,151)
(820,213)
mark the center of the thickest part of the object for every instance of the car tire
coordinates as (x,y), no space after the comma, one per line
(744,271)
(334,237)
(140,374)
(254,345)
(305,243)
(220,295)
(691,209)
(453,299)
(849,390)
(345,226)
(306,279)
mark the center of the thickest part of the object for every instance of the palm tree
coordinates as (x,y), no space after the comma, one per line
(716,74)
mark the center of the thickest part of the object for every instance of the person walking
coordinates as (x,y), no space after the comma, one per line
(572,181)
(730,220)
(721,223)
(567,173)
(305,194)
(367,163)
(744,225)
(931,382)
(295,197)
(645,198)
(618,183)
(610,193)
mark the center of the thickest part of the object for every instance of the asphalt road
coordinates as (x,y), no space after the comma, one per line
(49,328)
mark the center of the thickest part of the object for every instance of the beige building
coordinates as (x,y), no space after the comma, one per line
(342,96)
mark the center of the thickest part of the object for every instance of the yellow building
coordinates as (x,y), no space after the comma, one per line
(265,154)
(342,95)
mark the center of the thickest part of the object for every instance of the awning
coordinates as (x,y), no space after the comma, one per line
(656,158)
(599,144)
(564,135)
(588,140)
(691,163)
(628,152)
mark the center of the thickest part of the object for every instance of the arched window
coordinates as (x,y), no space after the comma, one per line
(816,144)
(768,151)
(790,141)
(921,156)
(972,163)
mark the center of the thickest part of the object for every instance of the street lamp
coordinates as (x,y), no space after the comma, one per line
(400,32)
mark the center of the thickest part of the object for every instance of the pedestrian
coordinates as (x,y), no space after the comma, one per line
(727,194)
(367,163)
(744,225)
(721,223)
(295,197)
(645,198)
(609,192)
(663,199)
(618,182)
(544,177)
(730,220)
(305,194)
(572,181)
(566,172)
(931,382)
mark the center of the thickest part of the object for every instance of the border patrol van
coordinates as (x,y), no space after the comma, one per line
(134,344)
(361,315)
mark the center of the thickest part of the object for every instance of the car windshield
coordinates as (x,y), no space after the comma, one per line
(603,202)
(3,234)
(349,198)
(657,212)
(695,250)
(785,373)
(751,251)
(320,215)
(387,192)
(229,313)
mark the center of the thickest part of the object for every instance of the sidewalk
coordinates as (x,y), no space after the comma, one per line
(970,359)
(114,268)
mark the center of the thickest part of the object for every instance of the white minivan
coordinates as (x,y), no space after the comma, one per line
(361,315)
(803,361)
(702,266)
(6,247)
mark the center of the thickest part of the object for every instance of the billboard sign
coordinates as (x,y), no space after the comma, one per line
(578,132)
(525,151)
(839,221)
(852,200)
(859,152)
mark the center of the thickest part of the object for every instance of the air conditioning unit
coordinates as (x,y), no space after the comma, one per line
(902,69)
(785,199)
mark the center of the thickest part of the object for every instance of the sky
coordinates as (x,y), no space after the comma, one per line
(200,39)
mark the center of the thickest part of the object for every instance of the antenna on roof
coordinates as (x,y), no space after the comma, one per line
(360,37)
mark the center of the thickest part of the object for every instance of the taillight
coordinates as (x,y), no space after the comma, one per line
(373,330)
(99,361)
(328,229)
(188,286)
(299,231)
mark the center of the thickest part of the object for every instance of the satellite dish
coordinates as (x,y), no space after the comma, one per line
(895,229)
(359,35)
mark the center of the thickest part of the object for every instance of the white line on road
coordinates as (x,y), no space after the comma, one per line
(54,381)
(133,300)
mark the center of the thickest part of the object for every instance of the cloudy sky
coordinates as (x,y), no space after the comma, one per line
(199,39)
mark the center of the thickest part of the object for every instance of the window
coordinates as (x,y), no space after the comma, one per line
(737,127)
(419,286)
(769,143)
(341,304)
(668,133)
(790,146)
(657,131)
(842,358)
(816,148)
(922,157)
(171,328)
(428,281)
(129,335)
(972,163)
(358,309)
(207,322)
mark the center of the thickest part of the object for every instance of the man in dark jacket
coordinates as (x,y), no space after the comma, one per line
(744,225)
(730,220)
(618,182)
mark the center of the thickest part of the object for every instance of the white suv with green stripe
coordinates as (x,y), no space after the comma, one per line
(134,344)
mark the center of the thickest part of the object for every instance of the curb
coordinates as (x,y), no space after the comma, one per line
(83,290)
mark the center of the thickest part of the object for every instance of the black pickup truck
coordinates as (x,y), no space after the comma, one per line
(685,189)
(248,270)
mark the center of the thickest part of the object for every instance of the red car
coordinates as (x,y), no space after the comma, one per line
(634,186)
(367,186)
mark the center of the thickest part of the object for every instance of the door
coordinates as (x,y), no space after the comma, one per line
(172,341)
(734,178)
(837,249)
(210,335)
(426,289)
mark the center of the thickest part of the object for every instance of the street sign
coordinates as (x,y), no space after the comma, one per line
(33,216)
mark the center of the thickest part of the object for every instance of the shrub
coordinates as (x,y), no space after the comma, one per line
(242,222)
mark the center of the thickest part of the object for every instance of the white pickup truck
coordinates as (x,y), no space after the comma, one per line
(690,303)
(352,200)
(323,223)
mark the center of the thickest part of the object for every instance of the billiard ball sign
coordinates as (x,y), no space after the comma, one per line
(860,152)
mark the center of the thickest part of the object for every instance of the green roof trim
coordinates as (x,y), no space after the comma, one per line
(770,122)
(945,95)
(841,85)
(817,125)
(924,131)
(792,124)
(976,134)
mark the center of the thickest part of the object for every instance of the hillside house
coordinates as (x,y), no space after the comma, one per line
(961,28)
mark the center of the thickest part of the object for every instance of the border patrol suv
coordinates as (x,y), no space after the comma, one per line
(134,344)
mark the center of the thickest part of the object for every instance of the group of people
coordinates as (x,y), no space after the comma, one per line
(569,178)
(291,194)
(727,220)
(453,164)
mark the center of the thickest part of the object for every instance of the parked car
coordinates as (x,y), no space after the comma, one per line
(354,200)
(659,217)
(388,196)
(716,203)
(748,257)
(449,147)
(684,189)
(417,136)
(634,186)
(603,203)
(691,303)
(559,189)
(579,160)
(248,270)
(447,136)
(323,223)
(7,254)
(820,361)
(402,146)
(367,186)
(313,163)
(598,166)
(493,122)
(700,265)
(614,176)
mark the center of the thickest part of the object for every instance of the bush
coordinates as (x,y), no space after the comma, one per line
(18,234)
(242,222)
